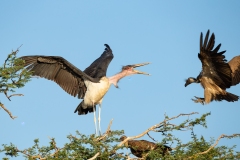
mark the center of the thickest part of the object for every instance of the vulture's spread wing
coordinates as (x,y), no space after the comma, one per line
(214,65)
(235,67)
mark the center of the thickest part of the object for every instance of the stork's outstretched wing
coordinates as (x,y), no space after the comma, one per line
(235,67)
(59,70)
(99,67)
(66,75)
(214,64)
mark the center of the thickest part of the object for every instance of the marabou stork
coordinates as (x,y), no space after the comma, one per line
(90,85)
(217,75)
(140,148)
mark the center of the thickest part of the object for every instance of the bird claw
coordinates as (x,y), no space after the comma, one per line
(198,100)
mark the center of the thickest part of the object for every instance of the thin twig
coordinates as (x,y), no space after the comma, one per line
(14,95)
(9,113)
(151,137)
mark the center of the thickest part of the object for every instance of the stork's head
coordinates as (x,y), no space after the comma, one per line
(191,80)
(126,71)
(129,69)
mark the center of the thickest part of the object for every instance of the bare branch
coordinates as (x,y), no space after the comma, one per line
(154,127)
(12,95)
(95,156)
(182,114)
(9,113)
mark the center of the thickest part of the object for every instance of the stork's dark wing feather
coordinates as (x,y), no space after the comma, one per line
(99,67)
(59,70)
(214,64)
(235,67)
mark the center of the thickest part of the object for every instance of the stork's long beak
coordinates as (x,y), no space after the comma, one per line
(139,65)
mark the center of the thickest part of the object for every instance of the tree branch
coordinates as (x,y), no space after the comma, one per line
(9,113)
(95,156)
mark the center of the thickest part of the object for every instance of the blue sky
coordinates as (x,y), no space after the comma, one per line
(165,33)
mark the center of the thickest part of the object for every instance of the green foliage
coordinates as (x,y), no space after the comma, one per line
(12,74)
(79,147)
(106,146)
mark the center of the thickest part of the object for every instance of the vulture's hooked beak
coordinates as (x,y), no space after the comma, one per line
(139,65)
(187,83)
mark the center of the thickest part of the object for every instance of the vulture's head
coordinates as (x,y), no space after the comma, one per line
(122,139)
(191,80)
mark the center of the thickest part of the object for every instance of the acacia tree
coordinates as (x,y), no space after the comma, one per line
(108,146)
(12,76)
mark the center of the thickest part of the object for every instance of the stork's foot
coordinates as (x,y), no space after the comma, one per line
(199,100)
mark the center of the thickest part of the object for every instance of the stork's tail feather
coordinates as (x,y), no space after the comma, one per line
(83,111)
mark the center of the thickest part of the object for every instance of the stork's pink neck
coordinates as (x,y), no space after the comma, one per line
(114,79)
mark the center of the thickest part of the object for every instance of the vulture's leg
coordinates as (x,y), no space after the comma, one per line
(95,119)
(199,100)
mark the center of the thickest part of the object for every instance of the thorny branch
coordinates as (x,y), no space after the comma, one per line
(216,143)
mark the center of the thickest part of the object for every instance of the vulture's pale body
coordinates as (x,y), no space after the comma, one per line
(217,74)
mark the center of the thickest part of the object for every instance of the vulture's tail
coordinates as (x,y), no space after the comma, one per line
(229,97)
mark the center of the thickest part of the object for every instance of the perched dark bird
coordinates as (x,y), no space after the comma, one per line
(140,148)
(217,75)
(90,85)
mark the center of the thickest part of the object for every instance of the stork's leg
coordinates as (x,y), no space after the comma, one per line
(199,100)
(99,118)
(95,119)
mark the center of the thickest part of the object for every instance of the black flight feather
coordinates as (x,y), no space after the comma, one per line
(98,68)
